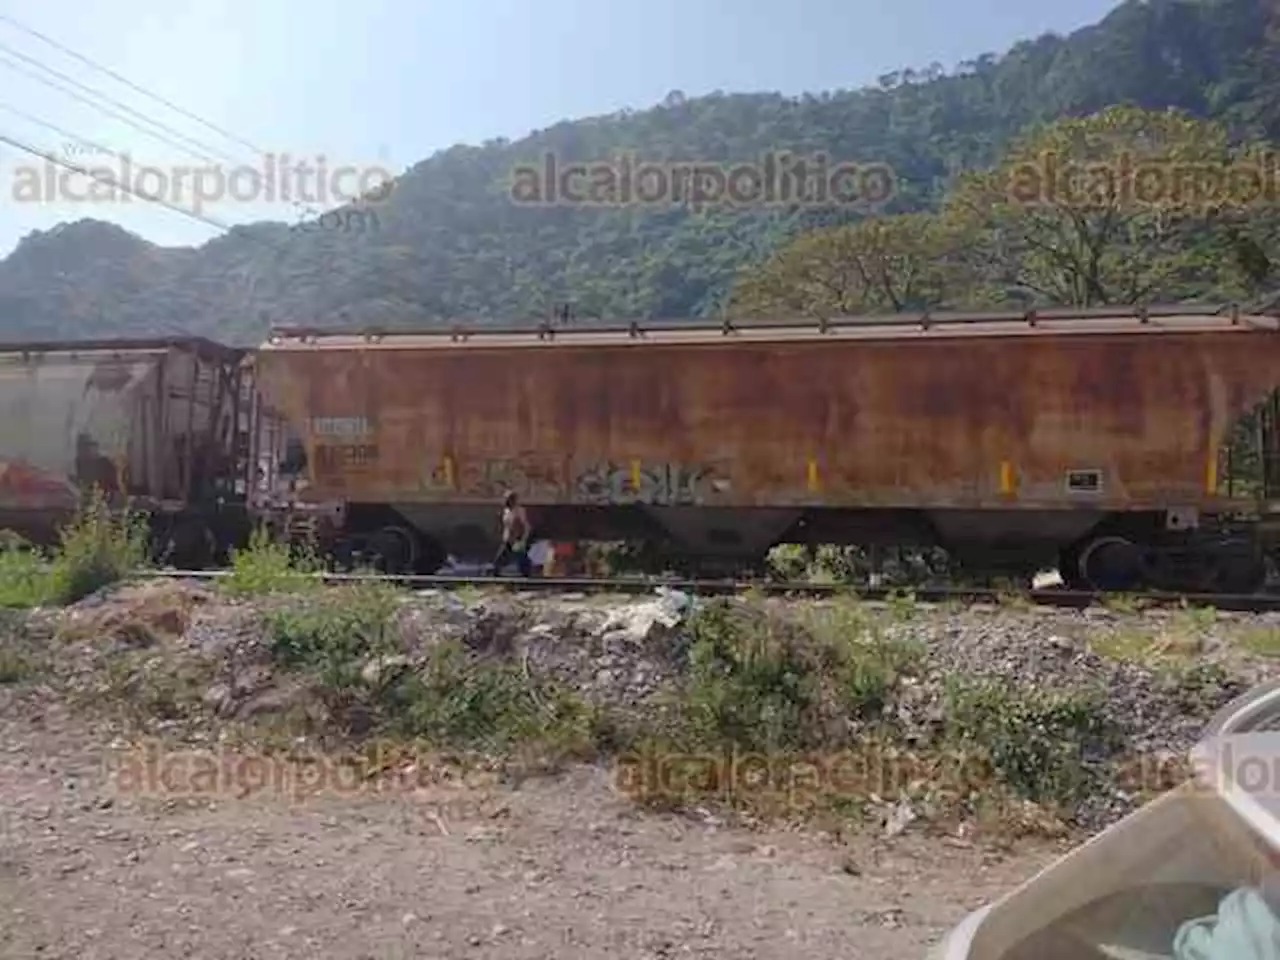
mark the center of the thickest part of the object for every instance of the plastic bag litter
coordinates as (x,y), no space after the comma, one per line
(639,620)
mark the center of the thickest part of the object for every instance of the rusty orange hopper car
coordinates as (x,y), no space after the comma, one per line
(1126,449)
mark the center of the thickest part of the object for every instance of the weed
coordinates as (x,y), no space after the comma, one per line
(770,684)
(448,697)
(334,635)
(1159,648)
(1122,603)
(24,578)
(459,698)
(749,684)
(1127,645)
(1035,741)
(1198,619)
(1262,641)
(266,566)
(101,546)
(902,604)
(788,561)
(20,658)
(1196,687)
(140,687)
(1011,598)
(468,595)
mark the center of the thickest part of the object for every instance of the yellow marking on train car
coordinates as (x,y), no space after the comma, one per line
(1006,476)
(812,474)
(1211,474)
(635,474)
(448,473)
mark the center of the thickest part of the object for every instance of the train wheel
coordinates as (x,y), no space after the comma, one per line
(1112,564)
(393,550)
(431,556)
(1240,573)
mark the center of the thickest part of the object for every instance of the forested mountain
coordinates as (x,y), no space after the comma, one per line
(449,242)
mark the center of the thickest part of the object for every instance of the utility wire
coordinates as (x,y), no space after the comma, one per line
(170,132)
(36,152)
(31,31)
(111,100)
(90,144)
(4,61)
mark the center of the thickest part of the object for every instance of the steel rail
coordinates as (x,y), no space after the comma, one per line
(1241,603)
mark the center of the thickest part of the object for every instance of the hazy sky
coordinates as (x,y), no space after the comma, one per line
(384,83)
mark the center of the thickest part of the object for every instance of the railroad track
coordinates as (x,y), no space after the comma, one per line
(1075,599)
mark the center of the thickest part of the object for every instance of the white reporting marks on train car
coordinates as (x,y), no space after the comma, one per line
(340,426)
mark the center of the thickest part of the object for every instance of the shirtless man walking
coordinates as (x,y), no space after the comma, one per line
(515,536)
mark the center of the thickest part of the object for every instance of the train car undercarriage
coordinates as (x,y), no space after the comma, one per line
(1173,550)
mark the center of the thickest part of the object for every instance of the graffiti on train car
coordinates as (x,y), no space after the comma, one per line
(21,479)
(664,484)
(529,475)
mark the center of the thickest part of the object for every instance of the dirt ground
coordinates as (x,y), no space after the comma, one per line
(553,868)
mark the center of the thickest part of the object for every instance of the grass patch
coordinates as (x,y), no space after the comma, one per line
(347,644)
(265,566)
(25,580)
(1260,641)
(22,659)
(99,547)
(788,715)
(766,683)
(1157,648)
(143,687)
(769,703)
(1036,741)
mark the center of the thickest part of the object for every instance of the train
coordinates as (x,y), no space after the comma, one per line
(1126,448)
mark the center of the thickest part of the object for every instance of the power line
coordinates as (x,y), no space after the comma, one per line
(92,144)
(297,205)
(31,31)
(111,100)
(36,152)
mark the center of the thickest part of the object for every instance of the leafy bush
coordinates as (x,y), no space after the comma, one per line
(1037,741)
(336,633)
(464,699)
(447,697)
(101,546)
(761,682)
(267,566)
(25,580)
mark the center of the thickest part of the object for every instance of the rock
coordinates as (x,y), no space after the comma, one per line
(218,698)
(380,670)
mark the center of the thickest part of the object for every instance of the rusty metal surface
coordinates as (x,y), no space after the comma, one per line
(909,326)
(906,420)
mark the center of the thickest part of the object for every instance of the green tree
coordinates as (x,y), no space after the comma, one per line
(882,264)
(1122,206)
